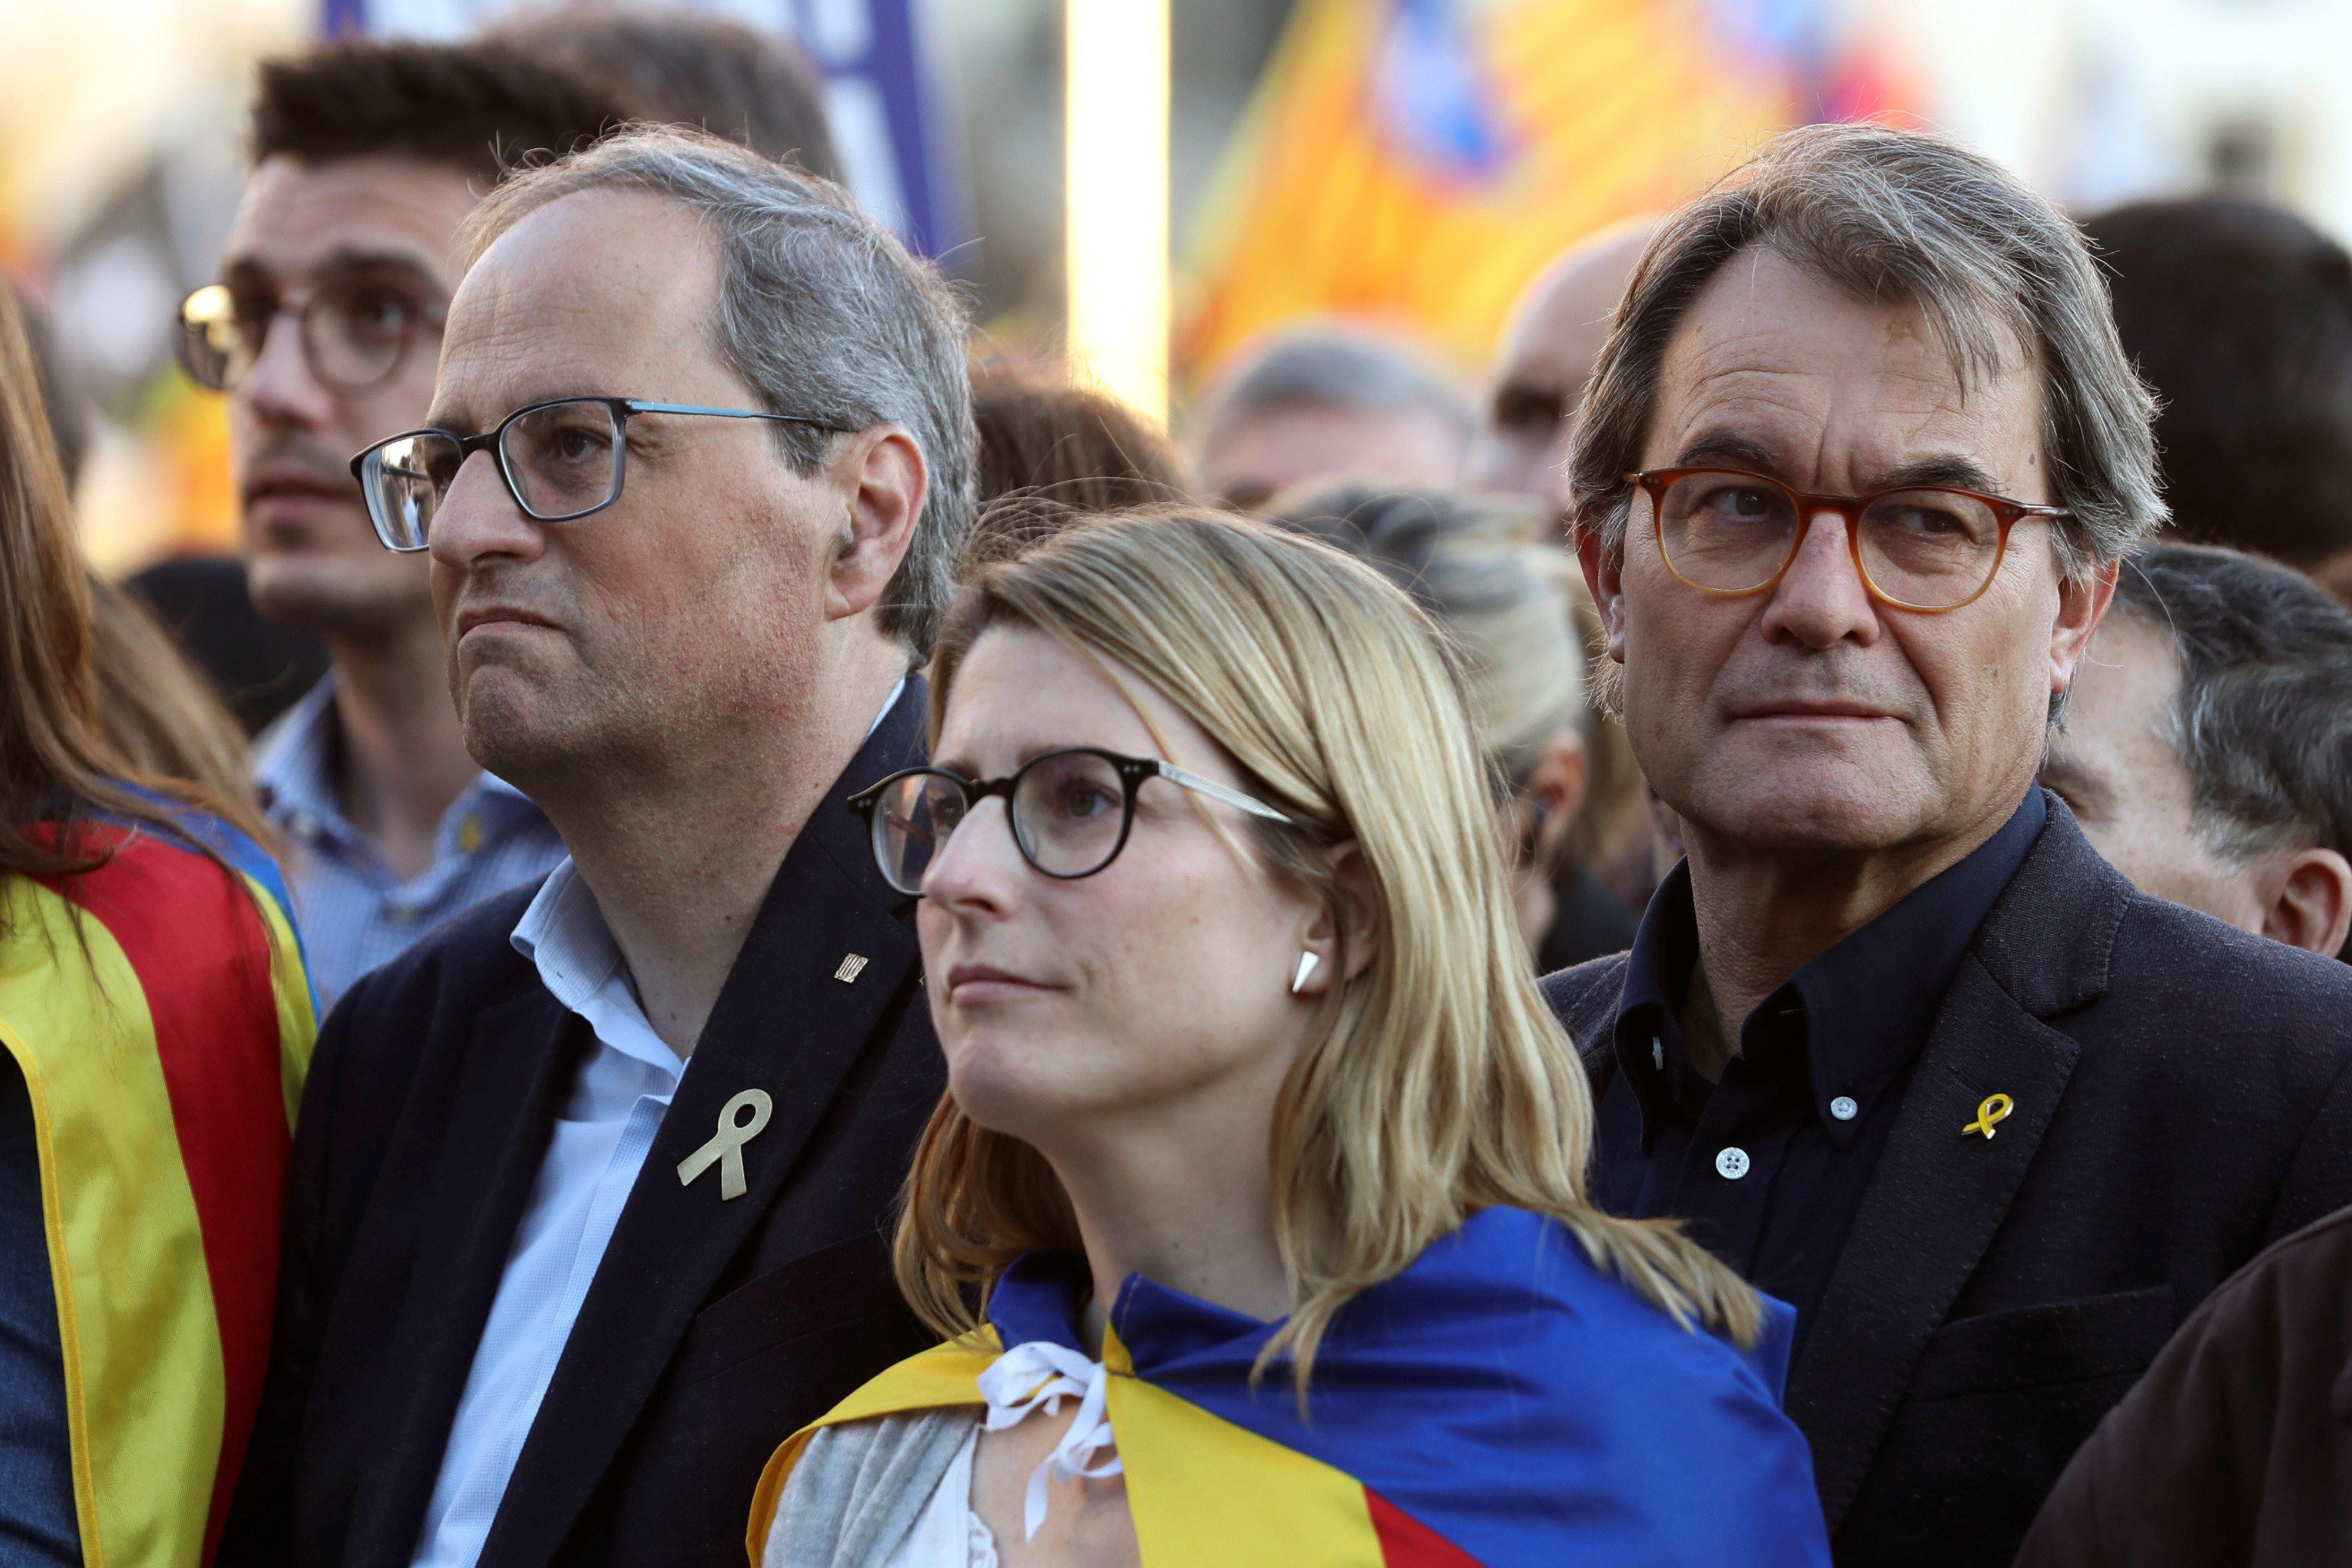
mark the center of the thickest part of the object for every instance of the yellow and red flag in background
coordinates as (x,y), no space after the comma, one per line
(1414,163)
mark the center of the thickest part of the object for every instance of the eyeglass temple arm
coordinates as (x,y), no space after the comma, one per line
(638,406)
(1216,791)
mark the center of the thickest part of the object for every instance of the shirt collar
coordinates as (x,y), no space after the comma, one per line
(294,769)
(294,772)
(564,936)
(1867,1004)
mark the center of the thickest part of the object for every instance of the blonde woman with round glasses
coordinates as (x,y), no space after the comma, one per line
(1256,1214)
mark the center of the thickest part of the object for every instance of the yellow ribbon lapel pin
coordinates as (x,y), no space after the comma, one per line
(725,1149)
(1995,1108)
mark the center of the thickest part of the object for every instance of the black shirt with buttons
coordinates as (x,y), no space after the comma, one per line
(1769,1165)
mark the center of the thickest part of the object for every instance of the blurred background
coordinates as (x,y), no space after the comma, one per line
(1222,166)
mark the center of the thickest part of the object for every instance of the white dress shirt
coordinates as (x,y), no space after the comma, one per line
(602,1135)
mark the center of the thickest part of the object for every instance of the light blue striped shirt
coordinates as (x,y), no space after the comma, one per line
(355,914)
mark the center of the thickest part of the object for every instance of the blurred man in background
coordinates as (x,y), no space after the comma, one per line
(1546,361)
(1330,399)
(677,67)
(2238,317)
(1548,349)
(324,330)
(2206,748)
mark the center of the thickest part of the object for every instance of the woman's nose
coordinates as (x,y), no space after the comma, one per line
(979,861)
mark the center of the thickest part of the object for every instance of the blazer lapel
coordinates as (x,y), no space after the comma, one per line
(1941,1193)
(796,1013)
(501,1118)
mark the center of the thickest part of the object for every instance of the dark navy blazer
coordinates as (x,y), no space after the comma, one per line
(2183,1097)
(713,1330)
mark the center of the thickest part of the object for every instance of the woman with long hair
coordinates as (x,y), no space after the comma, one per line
(1256,1214)
(154,1026)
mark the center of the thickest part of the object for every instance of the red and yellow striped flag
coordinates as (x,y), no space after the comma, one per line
(1417,162)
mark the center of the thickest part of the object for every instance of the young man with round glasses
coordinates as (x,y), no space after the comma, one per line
(323,329)
(1850,484)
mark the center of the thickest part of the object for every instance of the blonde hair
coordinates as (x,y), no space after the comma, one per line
(1440,1084)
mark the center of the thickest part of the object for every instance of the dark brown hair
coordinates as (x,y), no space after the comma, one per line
(478,107)
(1042,438)
(58,765)
(675,67)
(2240,316)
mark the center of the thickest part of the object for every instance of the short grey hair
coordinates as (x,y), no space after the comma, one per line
(1336,365)
(2264,719)
(1898,215)
(821,311)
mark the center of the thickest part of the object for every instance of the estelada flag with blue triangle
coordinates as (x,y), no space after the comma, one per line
(1502,1403)
(1415,162)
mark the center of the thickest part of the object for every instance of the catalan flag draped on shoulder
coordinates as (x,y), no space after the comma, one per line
(1502,1402)
(158,1010)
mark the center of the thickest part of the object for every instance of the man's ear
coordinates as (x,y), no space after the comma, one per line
(2081,607)
(1604,579)
(887,479)
(2306,901)
(1562,772)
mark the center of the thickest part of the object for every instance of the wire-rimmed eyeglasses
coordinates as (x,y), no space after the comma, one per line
(1071,810)
(560,459)
(1729,532)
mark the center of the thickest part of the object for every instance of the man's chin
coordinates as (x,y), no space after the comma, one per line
(511,730)
(338,599)
(1827,811)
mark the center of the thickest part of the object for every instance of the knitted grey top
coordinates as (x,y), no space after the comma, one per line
(860,1485)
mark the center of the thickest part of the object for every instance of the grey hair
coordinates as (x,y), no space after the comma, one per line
(1475,565)
(1336,365)
(1899,215)
(821,311)
(2264,719)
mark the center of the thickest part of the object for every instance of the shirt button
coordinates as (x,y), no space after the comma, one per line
(1731,1163)
(1844,1109)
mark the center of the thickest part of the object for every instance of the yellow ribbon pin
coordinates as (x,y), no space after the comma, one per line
(1995,1108)
(726,1149)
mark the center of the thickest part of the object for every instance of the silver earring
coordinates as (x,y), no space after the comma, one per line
(1306,962)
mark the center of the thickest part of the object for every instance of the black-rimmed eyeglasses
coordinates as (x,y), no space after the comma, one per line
(560,459)
(1071,810)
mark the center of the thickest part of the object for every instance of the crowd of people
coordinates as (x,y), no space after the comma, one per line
(1734,952)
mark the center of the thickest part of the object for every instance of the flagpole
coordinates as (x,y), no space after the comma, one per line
(1115,168)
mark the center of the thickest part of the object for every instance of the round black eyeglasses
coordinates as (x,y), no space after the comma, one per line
(1071,810)
(560,459)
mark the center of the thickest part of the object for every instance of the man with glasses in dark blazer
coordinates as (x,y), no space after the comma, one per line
(1851,485)
(591,1188)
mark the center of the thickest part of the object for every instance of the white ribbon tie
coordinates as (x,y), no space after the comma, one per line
(726,1149)
(1042,1373)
